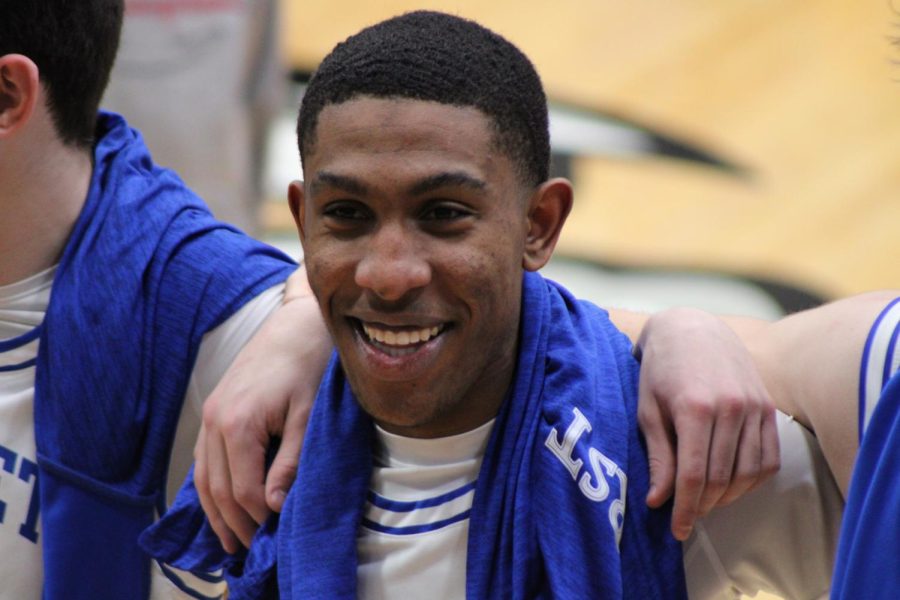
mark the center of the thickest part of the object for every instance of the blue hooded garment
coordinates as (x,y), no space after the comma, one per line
(550,518)
(146,273)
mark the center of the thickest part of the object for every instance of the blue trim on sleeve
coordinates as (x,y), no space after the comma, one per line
(414,529)
(398,506)
(889,356)
(181,585)
(861,420)
(17,342)
(208,577)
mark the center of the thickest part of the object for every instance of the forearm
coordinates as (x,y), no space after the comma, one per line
(810,362)
(297,285)
(628,322)
(267,392)
(770,344)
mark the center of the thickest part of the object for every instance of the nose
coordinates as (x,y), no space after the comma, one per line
(392,265)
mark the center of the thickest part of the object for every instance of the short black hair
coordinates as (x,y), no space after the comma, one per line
(74,45)
(433,56)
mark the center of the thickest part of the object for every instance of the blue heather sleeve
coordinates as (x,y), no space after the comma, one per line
(216,273)
(183,537)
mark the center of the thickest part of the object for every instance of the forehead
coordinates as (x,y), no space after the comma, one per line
(403,135)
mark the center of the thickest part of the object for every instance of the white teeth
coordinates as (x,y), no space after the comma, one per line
(400,338)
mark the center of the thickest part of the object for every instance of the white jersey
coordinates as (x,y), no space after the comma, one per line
(412,542)
(781,538)
(880,361)
(413,539)
(22,308)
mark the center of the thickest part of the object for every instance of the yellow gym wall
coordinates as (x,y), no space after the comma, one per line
(805,95)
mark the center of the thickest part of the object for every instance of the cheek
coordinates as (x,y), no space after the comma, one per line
(324,268)
(494,276)
(504,258)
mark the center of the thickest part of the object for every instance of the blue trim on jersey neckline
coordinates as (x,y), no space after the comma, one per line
(414,529)
(18,342)
(399,506)
(18,367)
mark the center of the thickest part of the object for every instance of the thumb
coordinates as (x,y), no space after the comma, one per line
(283,469)
(281,475)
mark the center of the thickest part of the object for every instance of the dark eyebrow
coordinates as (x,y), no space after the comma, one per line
(453,179)
(341,182)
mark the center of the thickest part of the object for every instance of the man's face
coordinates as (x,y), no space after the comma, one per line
(413,228)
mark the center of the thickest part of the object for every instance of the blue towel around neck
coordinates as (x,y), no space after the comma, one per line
(550,516)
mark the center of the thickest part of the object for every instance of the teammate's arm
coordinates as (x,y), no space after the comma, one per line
(269,390)
(704,411)
(811,362)
(266,393)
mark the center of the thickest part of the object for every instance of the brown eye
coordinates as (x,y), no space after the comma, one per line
(346,211)
(445,212)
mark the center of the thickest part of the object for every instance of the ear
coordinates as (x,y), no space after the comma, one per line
(19,92)
(548,209)
(295,200)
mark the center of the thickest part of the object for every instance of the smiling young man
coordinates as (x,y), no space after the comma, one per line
(503,409)
(477,436)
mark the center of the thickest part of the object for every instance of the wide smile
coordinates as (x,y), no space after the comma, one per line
(398,341)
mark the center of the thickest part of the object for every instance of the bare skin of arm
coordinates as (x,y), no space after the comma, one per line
(270,388)
(809,362)
(707,417)
(242,415)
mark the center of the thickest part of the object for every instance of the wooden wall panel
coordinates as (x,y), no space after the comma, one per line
(805,94)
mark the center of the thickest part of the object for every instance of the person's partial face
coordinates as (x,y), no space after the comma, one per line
(413,227)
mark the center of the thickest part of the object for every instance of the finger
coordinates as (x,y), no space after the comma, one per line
(234,521)
(247,461)
(221,488)
(228,540)
(693,440)
(660,451)
(283,469)
(760,462)
(770,448)
(746,466)
(727,437)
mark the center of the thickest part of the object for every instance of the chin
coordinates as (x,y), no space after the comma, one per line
(394,416)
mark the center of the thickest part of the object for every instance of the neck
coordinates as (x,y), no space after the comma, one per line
(45,184)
